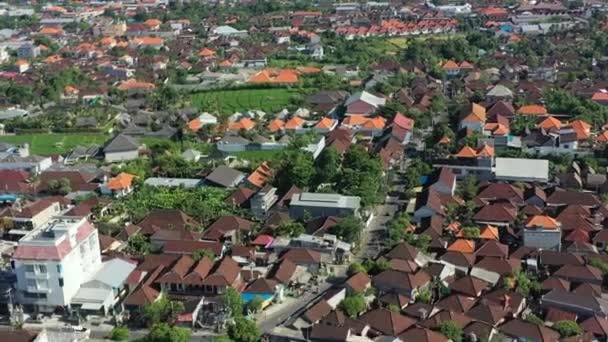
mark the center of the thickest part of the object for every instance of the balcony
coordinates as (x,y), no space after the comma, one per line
(37,275)
(35,289)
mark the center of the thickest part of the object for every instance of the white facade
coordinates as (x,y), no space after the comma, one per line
(114,157)
(52,262)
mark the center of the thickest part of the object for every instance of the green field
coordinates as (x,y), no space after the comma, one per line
(47,144)
(257,156)
(230,101)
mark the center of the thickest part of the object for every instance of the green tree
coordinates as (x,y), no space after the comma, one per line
(355,268)
(255,305)
(522,283)
(203,253)
(532,318)
(451,330)
(567,328)
(138,244)
(163,332)
(296,168)
(468,187)
(232,300)
(397,228)
(424,296)
(221,339)
(354,305)
(348,229)
(375,267)
(327,166)
(119,334)
(243,330)
(291,229)
(162,310)
(393,308)
(470,232)
(60,186)
(362,175)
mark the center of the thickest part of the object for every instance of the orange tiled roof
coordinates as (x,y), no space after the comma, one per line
(449,65)
(21,62)
(532,110)
(600,96)
(272,75)
(375,123)
(462,246)
(134,84)
(325,123)
(51,31)
(107,41)
(275,125)
(205,52)
(489,233)
(485,151)
(355,120)
(70,89)
(445,140)
(603,137)
(294,123)
(467,152)
(543,221)
(195,124)
(581,128)
(122,181)
(152,22)
(308,70)
(260,176)
(53,59)
(226,63)
(550,123)
(148,40)
(244,123)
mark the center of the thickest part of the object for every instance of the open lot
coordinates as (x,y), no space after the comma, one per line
(230,101)
(47,144)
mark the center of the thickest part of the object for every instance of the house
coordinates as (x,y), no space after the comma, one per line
(118,186)
(320,204)
(232,143)
(326,101)
(263,200)
(407,284)
(103,291)
(121,148)
(227,273)
(33,216)
(543,232)
(268,290)
(227,228)
(315,147)
(363,103)
(358,283)
(224,176)
(518,330)
(52,263)
(275,76)
(583,305)
(443,181)
(473,117)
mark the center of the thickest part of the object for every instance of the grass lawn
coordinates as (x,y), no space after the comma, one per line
(47,144)
(230,101)
(257,156)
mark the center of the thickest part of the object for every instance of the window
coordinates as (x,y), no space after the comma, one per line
(34,295)
(42,283)
(29,268)
(30,282)
(60,282)
(59,268)
(41,268)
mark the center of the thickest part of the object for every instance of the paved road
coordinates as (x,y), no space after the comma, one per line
(267,321)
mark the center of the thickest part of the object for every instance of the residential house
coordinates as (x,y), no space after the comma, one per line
(121,148)
(363,103)
(318,204)
(224,176)
(118,186)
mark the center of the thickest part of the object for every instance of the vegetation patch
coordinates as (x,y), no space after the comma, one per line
(48,144)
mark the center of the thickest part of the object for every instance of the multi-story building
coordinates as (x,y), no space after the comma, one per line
(52,262)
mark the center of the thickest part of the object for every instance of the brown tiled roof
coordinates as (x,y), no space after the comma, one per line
(322,332)
(434,322)
(589,289)
(387,322)
(178,271)
(479,329)
(488,313)
(33,209)
(563,197)
(224,225)
(284,270)
(553,258)
(395,299)
(496,212)
(456,303)
(172,219)
(261,286)
(302,256)
(358,282)
(521,329)
(225,274)
(317,311)
(499,265)
(191,246)
(402,251)
(553,283)
(142,296)
(127,232)
(496,191)
(469,286)
(422,335)
(240,197)
(580,273)
(401,280)
(199,272)
(79,180)
(493,248)
(153,261)
(458,259)
(555,315)
(596,325)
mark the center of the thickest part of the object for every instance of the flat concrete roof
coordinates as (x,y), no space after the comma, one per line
(515,169)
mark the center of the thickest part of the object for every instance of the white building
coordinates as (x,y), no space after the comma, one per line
(52,262)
